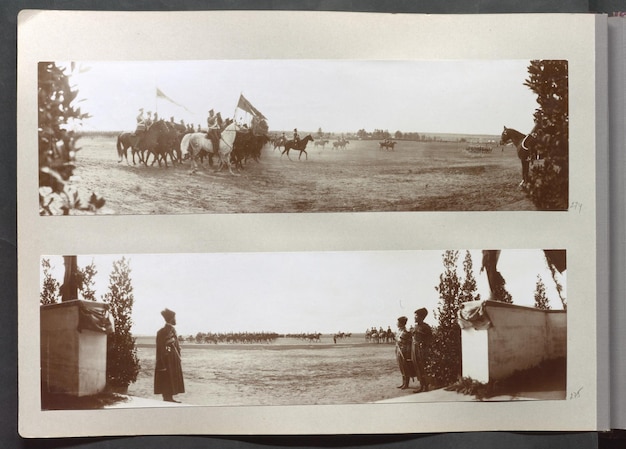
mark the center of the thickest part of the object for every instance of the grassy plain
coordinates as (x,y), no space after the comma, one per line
(417,176)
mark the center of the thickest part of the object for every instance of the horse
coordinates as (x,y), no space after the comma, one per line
(279,142)
(247,145)
(125,141)
(526,151)
(159,139)
(194,143)
(321,143)
(389,146)
(300,146)
(340,144)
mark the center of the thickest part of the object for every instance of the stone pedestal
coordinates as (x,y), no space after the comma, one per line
(73,351)
(504,338)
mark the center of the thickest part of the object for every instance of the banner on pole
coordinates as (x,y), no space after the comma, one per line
(160,94)
(245,105)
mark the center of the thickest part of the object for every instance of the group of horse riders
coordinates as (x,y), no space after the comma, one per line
(296,136)
(144,122)
(214,125)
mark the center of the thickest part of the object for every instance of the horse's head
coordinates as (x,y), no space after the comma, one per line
(504,137)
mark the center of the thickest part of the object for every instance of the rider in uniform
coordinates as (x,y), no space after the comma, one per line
(141,123)
(214,134)
(296,137)
(149,120)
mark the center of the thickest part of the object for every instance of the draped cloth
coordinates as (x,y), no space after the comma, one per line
(94,316)
(168,372)
(473,314)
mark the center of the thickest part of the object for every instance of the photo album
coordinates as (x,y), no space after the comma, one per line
(314,223)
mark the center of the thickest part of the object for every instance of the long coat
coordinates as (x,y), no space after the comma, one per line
(422,336)
(168,372)
(403,353)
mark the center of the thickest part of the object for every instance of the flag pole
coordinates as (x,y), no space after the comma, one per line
(236,107)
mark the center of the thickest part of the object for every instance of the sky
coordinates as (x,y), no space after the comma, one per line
(440,96)
(295,292)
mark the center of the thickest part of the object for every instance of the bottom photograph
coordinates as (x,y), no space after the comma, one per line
(302,328)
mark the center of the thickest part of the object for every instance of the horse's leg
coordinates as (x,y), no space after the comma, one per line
(525,167)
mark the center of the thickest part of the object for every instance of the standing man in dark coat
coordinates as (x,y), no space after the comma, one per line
(168,372)
(422,337)
(403,353)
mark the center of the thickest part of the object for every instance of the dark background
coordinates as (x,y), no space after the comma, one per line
(8,239)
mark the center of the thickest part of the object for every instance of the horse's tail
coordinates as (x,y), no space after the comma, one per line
(120,148)
(184,145)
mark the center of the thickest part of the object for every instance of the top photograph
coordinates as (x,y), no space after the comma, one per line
(289,136)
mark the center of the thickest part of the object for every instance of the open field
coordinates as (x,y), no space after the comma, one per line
(291,372)
(417,176)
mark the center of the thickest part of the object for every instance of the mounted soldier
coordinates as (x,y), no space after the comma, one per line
(214,123)
(149,120)
(141,127)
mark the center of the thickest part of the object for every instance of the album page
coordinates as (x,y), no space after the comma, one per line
(256,223)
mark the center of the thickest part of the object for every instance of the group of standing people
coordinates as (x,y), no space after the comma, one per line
(412,350)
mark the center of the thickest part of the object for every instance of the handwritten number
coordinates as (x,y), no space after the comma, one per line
(576,206)
(575,394)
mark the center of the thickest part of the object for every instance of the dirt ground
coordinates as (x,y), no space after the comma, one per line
(417,176)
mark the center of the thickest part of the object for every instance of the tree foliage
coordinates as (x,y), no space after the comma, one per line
(122,361)
(58,115)
(541,299)
(50,288)
(86,281)
(548,79)
(469,287)
(445,363)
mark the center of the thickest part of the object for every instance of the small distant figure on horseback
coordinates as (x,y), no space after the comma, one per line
(297,144)
(387,144)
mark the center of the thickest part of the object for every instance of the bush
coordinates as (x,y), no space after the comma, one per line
(548,187)
(58,116)
(122,361)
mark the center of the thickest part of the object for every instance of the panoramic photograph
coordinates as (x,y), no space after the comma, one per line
(305,328)
(288,136)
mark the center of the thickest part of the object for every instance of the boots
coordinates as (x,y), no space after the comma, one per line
(405,383)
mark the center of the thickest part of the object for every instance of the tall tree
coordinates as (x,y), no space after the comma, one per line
(122,361)
(86,281)
(469,287)
(541,299)
(445,363)
(50,288)
(549,80)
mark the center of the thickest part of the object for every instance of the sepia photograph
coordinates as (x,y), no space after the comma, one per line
(301,227)
(284,136)
(313,328)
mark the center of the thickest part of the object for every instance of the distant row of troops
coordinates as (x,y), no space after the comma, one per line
(147,118)
(412,350)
